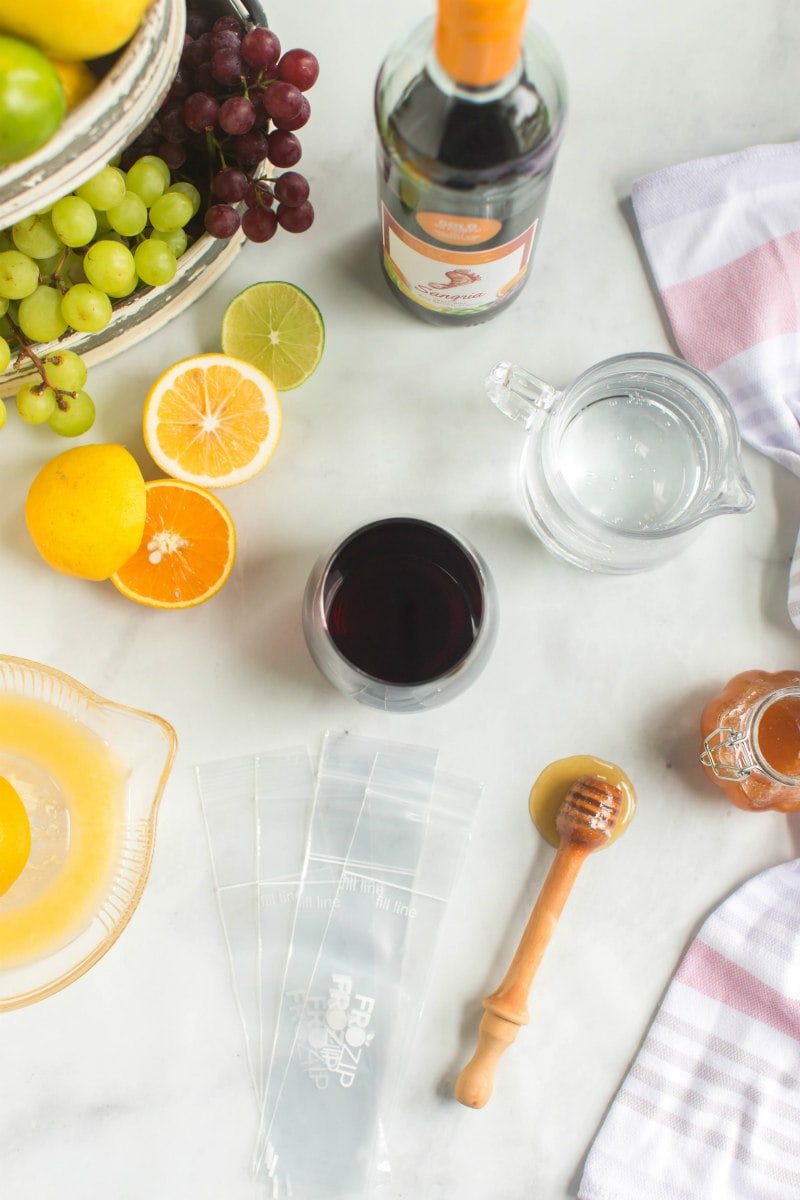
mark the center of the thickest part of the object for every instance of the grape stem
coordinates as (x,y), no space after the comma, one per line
(26,351)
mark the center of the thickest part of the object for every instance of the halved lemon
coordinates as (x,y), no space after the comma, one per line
(212,420)
(15,836)
(187,551)
(278,328)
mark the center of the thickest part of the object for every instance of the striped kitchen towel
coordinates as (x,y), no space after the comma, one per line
(710,1109)
(722,239)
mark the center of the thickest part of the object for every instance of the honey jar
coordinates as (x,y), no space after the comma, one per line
(751,740)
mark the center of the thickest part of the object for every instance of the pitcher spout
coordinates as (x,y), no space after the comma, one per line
(735,495)
(518,394)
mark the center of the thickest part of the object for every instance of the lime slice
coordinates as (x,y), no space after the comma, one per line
(277,328)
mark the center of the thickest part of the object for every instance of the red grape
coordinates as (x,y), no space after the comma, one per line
(296,220)
(198,51)
(236,115)
(299,67)
(250,148)
(228,22)
(179,86)
(230,185)
(173,154)
(200,111)
(196,24)
(227,66)
(300,120)
(261,48)
(221,221)
(259,224)
(172,125)
(291,189)
(258,194)
(222,38)
(282,101)
(283,148)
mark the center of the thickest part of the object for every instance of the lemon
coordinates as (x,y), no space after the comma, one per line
(77,80)
(86,510)
(279,329)
(15,836)
(77,29)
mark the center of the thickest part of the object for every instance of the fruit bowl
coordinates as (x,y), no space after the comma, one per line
(142,75)
(104,123)
(90,774)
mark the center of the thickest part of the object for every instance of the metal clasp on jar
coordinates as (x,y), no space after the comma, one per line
(724,738)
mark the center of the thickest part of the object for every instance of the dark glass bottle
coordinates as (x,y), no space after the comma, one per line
(470,113)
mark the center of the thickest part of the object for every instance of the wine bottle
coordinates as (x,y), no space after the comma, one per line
(470,112)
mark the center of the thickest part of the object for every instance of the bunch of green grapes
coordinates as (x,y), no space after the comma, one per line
(62,268)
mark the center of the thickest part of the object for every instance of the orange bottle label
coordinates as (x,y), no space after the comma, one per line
(458,231)
(450,280)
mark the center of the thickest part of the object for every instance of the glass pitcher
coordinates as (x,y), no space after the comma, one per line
(623,465)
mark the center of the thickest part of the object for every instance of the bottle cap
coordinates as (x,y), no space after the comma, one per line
(478,42)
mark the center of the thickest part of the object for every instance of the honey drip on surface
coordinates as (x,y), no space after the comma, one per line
(550,789)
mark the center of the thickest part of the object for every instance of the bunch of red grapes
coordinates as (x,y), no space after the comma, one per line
(234,106)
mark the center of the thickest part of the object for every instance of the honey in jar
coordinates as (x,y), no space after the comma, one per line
(751,740)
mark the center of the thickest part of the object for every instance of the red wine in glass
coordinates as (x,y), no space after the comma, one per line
(403,604)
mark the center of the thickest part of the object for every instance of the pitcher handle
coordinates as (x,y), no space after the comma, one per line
(518,394)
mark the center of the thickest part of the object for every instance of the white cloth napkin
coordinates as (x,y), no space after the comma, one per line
(710,1109)
(722,239)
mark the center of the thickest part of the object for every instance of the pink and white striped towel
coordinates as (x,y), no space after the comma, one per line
(710,1109)
(722,238)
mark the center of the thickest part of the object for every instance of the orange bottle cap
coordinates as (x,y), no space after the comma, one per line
(478,42)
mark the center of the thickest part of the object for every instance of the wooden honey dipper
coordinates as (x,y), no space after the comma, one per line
(584,823)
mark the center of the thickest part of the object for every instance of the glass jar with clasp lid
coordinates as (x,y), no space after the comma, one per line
(751,740)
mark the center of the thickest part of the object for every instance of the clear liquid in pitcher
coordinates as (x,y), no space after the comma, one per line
(633,461)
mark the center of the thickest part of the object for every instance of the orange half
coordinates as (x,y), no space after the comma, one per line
(212,420)
(187,551)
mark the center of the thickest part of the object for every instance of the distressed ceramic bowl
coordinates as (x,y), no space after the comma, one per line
(103,124)
(97,130)
(90,773)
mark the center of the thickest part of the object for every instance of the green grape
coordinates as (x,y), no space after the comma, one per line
(171,211)
(36,402)
(65,371)
(48,266)
(36,237)
(110,267)
(129,217)
(3,306)
(155,262)
(103,190)
(75,418)
(19,275)
(6,242)
(187,189)
(86,308)
(3,413)
(72,268)
(176,239)
(149,177)
(5,354)
(103,223)
(39,315)
(74,220)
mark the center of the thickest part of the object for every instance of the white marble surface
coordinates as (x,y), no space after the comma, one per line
(131,1083)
